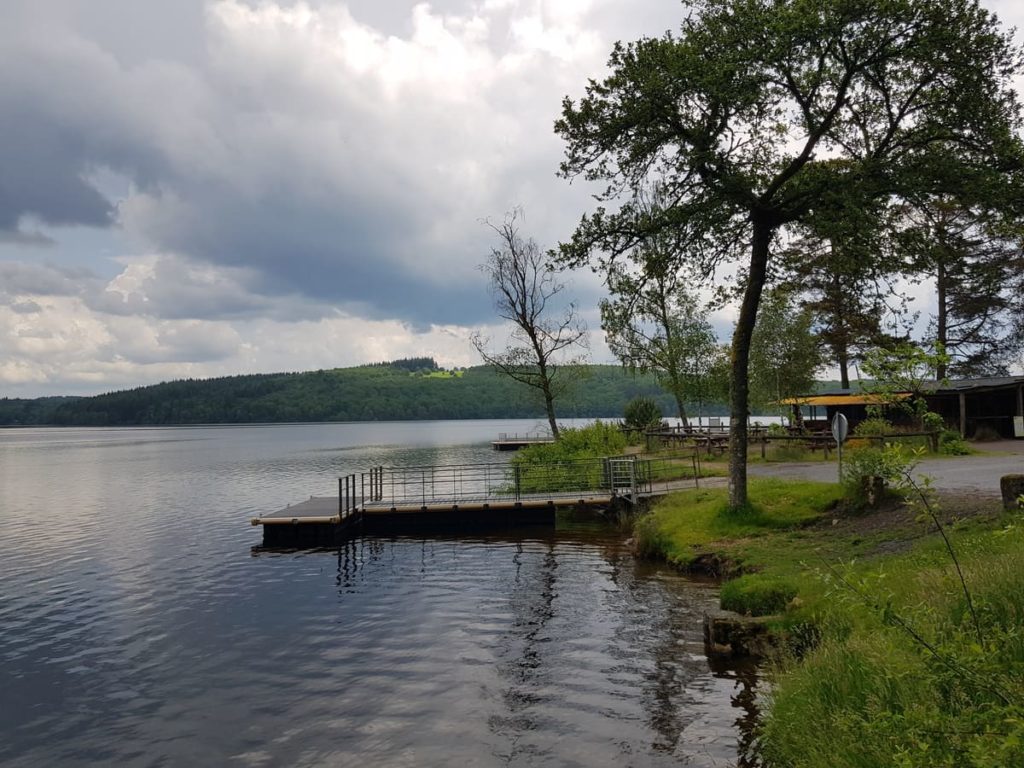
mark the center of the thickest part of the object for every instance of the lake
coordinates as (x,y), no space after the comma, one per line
(141,624)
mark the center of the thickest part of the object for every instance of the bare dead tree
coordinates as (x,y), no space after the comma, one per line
(547,346)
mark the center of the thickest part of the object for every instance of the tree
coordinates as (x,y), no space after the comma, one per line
(524,288)
(735,116)
(641,413)
(899,378)
(844,302)
(839,269)
(653,323)
(785,354)
(973,267)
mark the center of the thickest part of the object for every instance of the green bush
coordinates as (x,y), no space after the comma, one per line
(932,422)
(596,440)
(559,467)
(642,413)
(757,595)
(951,444)
(876,426)
(867,471)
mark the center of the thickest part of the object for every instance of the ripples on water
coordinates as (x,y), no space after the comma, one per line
(139,626)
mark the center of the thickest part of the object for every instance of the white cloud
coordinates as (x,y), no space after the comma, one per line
(296,184)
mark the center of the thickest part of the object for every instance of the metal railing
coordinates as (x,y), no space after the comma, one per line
(348,500)
(526,437)
(628,476)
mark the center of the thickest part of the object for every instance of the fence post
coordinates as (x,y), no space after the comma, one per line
(632,480)
(518,477)
(341,506)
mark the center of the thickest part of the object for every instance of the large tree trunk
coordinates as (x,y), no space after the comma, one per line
(941,318)
(739,406)
(682,411)
(843,359)
(549,406)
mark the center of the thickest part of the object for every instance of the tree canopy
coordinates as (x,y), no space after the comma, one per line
(654,322)
(761,111)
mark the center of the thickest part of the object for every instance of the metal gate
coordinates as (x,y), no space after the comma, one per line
(622,476)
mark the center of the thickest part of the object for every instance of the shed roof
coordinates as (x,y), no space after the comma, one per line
(859,397)
(839,398)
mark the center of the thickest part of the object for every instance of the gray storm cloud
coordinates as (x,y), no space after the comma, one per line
(331,159)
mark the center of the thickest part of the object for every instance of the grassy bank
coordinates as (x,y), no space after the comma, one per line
(886,664)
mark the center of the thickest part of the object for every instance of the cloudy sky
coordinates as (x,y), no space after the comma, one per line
(207,187)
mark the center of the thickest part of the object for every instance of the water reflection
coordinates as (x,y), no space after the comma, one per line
(139,629)
(580,654)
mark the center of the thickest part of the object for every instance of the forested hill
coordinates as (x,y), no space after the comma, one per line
(368,393)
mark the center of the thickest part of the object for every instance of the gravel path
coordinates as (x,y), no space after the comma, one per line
(979,473)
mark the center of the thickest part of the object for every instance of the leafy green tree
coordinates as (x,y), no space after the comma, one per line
(653,323)
(900,376)
(641,413)
(735,115)
(785,353)
(545,351)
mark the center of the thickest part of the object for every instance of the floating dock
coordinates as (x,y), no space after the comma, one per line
(317,522)
(467,497)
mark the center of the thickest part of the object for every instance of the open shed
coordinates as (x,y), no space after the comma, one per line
(991,406)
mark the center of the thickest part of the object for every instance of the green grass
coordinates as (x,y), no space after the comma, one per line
(688,524)
(884,698)
(840,595)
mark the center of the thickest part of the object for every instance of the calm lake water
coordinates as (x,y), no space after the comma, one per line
(140,624)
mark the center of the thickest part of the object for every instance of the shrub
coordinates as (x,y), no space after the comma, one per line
(932,422)
(596,440)
(876,426)
(867,471)
(642,413)
(951,444)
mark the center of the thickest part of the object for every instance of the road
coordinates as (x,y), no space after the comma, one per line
(980,472)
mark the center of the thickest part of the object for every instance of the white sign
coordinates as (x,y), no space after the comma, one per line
(840,428)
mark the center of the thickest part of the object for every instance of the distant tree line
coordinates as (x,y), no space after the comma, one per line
(368,393)
(411,364)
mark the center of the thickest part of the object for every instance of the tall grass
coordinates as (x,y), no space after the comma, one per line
(885,698)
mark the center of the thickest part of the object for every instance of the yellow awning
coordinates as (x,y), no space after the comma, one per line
(861,398)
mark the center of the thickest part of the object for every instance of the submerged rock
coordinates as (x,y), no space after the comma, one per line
(728,634)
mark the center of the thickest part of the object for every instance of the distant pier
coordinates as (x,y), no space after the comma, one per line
(515,442)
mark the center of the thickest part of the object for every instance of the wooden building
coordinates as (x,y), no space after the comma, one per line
(991,407)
